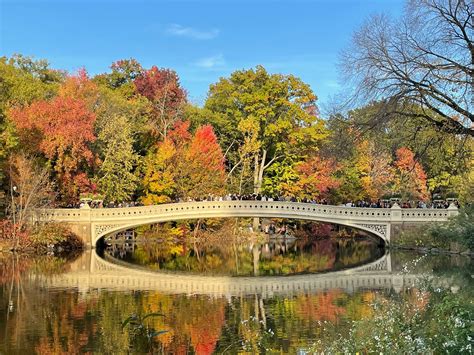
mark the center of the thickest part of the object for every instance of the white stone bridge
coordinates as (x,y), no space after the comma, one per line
(92,273)
(93,224)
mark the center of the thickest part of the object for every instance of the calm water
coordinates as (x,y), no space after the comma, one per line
(284,295)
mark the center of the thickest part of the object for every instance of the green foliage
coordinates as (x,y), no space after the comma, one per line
(434,321)
(116,179)
(262,118)
(141,334)
(459,228)
(54,235)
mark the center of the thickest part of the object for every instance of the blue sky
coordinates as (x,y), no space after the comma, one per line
(201,40)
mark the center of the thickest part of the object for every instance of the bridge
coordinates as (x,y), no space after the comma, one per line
(91,272)
(93,224)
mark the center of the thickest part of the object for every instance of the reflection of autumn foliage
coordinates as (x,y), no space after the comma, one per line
(205,327)
(62,328)
(325,247)
(320,307)
(189,321)
(12,268)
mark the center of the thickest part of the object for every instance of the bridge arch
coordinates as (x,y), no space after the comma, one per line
(378,230)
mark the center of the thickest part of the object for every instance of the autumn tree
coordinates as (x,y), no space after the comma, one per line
(122,76)
(357,144)
(410,177)
(374,167)
(22,81)
(425,58)
(184,166)
(61,129)
(80,87)
(166,96)
(262,119)
(159,174)
(117,180)
(310,179)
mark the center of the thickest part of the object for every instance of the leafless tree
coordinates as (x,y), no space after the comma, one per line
(29,188)
(424,59)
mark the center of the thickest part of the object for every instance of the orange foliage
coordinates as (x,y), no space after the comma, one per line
(374,168)
(411,177)
(184,165)
(61,129)
(315,179)
(80,87)
(320,307)
(205,329)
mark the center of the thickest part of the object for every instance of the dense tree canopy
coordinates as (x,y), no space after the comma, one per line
(261,119)
(130,134)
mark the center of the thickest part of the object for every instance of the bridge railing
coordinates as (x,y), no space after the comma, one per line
(214,207)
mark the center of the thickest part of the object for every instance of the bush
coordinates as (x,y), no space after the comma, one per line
(458,229)
(55,235)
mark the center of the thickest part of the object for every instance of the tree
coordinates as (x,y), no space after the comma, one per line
(122,77)
(117,181)
(410,176)
(159,174)
(61,129)
(203,165)
(162,88)
(22,80)
(263,118)
(80,87)
(184,166)
(447,159)
(425,58)
(310,179)
(29,188)
(374,165)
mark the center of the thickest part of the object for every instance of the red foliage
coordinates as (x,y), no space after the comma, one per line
(180,132)
(61,129)
(205,329)
(315,178)
(205,149)
(12,235)
(161,87)
(161,84)
(411,174)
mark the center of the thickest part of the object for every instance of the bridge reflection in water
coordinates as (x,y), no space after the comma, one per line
(91,272)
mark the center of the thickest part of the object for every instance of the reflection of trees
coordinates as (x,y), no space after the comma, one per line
(20,296)
(236,257)
(52,322)
(321,307)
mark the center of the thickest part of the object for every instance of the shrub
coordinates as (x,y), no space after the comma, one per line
(55,235)
(458,229)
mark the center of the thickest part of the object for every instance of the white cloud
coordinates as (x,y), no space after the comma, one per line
(178,30)
(211,62)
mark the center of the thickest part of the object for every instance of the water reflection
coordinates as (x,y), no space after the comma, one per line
(306,248)
(273,257)
(51,306)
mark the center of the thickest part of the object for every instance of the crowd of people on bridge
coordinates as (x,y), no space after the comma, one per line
(380,203)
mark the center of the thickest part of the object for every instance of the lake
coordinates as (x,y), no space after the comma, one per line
(306,290)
